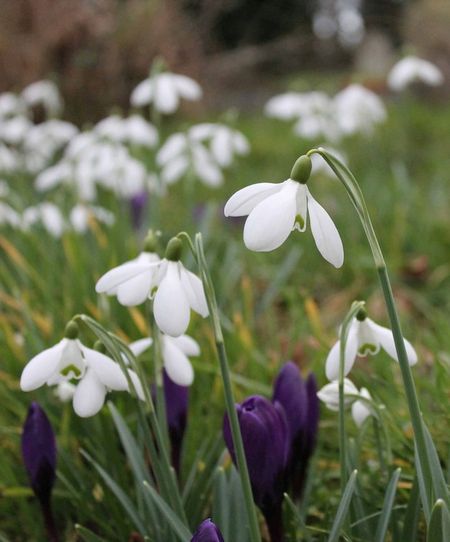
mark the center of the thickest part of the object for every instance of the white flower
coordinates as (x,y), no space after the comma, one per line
(11,105)
(287,106)
(224,142)
(358,110)
(70,360)
(360,409)
(365,337)
(9,159)
(410,70)
(329,394)
(48,214)
(43,93)
(134,130)
(178,290)
(175,352)
(164,91)
(14,130)
(276,209)
(65,391)
(81,214)
(9,216)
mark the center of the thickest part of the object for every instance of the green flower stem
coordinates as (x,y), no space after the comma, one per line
(343,336)
(356,196)
(255,535)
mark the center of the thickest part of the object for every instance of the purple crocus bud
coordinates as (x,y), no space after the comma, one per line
(266,439)
(207,531)
(176,398)
(39,457)
(138,204)
(301,405)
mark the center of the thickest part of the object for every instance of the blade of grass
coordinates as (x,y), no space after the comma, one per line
(342,511)
(383,522)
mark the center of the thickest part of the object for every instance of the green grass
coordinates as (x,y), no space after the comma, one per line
(276,306)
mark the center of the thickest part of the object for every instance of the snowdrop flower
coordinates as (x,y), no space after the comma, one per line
(358,110)
(9,159)
(9,216)
(177,289)
(11,105)
(134,130)
(13,131)
(164,91)
(364,337)
(65,391)
(224,142)
(175,354)
(287,106)
(48,214)
(70,360)
(81,215)
(329,394)
(44,93)
(276,209)
(181,154)
(410,70)
(360,409)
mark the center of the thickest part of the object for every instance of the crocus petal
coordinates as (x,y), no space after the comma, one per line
(351,349)
(177,365)
(89,396)
(272,220)
(135,290)
(186,344)
(40,368)
(245,200)
(118,275)
(171,306)
(326,236)
(193,288)
(386,339)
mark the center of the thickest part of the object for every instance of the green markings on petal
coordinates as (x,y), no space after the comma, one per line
(299,222)
(367,348)
(71,369)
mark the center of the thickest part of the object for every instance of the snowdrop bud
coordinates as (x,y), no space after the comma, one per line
(72,330)
(151,242)
(207,532)
(173,250)
(302,169)
(361,315)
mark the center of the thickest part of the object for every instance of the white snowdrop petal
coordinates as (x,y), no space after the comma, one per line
(142,94)
(174,170)
(171,306)
(332,363)
(360,412)
(272,220)
(326,236)
(386,340)
(329,394)
(302,208)
(186,344)
(140,346)
(187,87)
(40,368)
(135,290)
(118,275)
(193,288)
(173,147)
(245,200)
(165,94)
(177,365)
(221,148)
(89,396)
(107,371)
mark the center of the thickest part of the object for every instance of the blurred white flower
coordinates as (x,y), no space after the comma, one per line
(81,214)
(134,130)
(164,91)
(358,110)
(9,159)
(329,394)
(360,409)
(65,391)
(46,94)
(11,105)
(364,337)
(319,166)
(410,70)
(48,215)
(224,142)
(276,209)
(9,216)
(70,360)
(14,130)
(287,106)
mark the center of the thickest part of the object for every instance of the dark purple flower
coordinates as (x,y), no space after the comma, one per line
(176,398)
(266,438)
(39,457)
(300,402)
(207,532)
(138,204)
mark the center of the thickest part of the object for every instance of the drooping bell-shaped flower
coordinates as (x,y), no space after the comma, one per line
(93,372)
(410,70)
(276,209)
(329,394)
(364,337)
(207,531)
(361,409)
(266,438)
(39,457)
(301,405)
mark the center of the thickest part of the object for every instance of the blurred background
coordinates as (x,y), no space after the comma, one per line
(97,50)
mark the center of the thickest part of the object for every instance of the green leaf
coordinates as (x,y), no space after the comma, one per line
(174,521)
(424,488)
(411,521)
(389,497)
(342,511)
(439,484)
(88,535)
(439,526)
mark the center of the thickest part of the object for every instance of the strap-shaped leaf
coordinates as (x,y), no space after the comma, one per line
(343,508)
(385,516)
(439,526)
